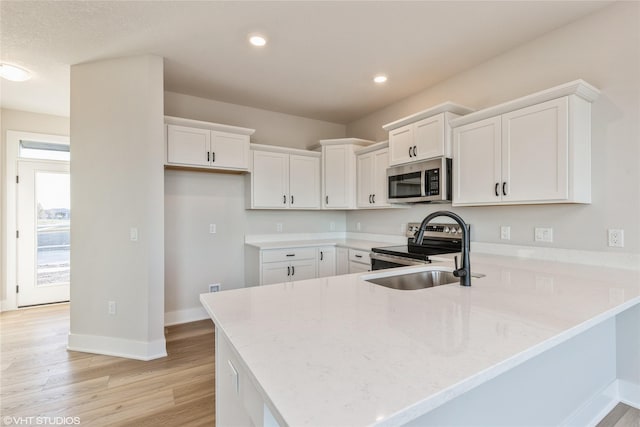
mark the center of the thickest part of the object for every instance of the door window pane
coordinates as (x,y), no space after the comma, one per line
(53,228)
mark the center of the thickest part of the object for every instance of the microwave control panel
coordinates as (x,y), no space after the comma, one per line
(432,182)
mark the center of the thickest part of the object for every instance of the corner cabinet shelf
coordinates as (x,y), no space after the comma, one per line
(195,144)
(532,150)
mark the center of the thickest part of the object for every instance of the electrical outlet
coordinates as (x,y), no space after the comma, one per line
(505,232)
(543,234)
(279,227)
(215,287)
(111,308)
(616,238)
(212,229)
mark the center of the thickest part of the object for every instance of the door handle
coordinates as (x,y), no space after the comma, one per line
(321,255)
(288,271)
(415,147)
(326,200)
(284,199)
(496,189)
(293,270)
(213,156)
(504,186)
(373,197)
(370,199)
(410,152)
(208,156)
(292,199)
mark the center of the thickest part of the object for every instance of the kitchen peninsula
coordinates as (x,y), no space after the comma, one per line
(531,343)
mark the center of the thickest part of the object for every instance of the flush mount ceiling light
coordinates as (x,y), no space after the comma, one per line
(14,73)
(380,78)
(257,40)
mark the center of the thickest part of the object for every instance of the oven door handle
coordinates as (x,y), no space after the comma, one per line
(397,259)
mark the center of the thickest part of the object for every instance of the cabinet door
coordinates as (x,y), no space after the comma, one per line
(303,270)
(429,137)
(364,180)
(476,162)
(337,180)
(229,150)
(188,146)
(304,182)
(535,153)
(275,272)
(379,178)
(270,180)
(326,261)
(356,267)
(401,145)
(342,261)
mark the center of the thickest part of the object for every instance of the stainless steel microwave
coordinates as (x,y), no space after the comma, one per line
(426,181)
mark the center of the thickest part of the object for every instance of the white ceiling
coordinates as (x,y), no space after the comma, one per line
(319,62)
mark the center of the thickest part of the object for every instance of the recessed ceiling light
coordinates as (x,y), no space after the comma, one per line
(14,73)
(380,78)
(257,40)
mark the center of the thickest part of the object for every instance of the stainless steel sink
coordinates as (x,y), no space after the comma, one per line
(419,280)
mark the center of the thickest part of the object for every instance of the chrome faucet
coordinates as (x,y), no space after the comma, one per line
(464,273)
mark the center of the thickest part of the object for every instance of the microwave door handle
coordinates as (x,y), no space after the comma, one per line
(423,183)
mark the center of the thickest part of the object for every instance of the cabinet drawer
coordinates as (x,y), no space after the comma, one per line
(293,254)
(359,256)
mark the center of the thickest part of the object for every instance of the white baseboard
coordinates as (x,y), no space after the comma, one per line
(185,316)
(594,410)
(109,346)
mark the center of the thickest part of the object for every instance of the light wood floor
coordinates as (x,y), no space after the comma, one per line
(40,377)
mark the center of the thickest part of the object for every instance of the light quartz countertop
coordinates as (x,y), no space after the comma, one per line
(343,351)
(364,245)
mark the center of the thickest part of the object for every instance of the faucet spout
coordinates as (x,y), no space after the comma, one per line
(464,272)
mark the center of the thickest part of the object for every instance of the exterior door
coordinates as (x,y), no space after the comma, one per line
(44,221)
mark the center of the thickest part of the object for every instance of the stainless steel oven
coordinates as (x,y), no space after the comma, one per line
(438,239)
(426,181)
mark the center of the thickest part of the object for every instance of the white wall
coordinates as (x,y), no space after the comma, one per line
(27,122)
(603,49)
(117,182)
(195,258)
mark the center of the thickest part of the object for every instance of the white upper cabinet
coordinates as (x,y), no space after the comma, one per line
(423,135)
(372,164)
(283,178)
(204,145)
(536,149)
(339,172)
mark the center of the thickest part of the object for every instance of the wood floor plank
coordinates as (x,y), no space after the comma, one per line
(40,377)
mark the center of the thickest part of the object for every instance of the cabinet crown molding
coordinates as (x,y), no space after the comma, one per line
(445,107)
(342,141)
(285,150)
(374,147)
(576,87)
(170,120)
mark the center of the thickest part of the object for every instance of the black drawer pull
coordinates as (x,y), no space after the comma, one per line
(291,254)
(358,256)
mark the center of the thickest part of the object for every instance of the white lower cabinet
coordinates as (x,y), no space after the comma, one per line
(342,261)
(326,261)
(238,401)
(359,261)
(286,265)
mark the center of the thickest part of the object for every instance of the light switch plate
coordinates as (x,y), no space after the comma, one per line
(543,234)
(505,232)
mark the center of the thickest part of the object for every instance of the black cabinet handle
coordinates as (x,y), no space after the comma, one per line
(370,198)
(293,270)
(415,147)
(326,199)
(291,254)
(292,199)
(321,255)
(284,199)
(410,152)
(496,189)
(213,156)
(373,197)
(504,186)
(208,158)
(288,271)
(358,256)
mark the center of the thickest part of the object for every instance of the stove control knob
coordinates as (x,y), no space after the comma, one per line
(459,230)
(446,229)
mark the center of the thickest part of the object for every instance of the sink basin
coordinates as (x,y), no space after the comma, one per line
(419,280)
